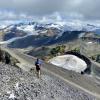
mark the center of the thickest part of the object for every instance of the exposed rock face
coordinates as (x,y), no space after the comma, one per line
(16,84)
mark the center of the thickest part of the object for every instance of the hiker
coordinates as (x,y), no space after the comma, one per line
(7,58)
(38,64)
(0,55)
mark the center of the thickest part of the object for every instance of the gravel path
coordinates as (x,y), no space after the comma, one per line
(16,84)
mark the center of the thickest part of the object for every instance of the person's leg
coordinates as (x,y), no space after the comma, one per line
(38,71)
(39,74)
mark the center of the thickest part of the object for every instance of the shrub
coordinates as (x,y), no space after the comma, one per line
(59,49)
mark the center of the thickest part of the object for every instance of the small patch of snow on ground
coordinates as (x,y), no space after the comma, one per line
(12,96)
(17,86)
(69,62)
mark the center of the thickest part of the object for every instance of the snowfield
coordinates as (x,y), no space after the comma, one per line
(69,62)
(28,28)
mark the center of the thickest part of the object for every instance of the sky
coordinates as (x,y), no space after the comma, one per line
(56,9)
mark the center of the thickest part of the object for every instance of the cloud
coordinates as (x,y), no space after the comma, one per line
(89,9)
(9,15)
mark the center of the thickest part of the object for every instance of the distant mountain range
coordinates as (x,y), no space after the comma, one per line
(37,34)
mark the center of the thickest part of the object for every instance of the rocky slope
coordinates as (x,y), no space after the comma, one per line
(19,85)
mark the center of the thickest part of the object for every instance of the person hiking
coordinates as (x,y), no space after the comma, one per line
(7,58)
(38,64)
(0,55)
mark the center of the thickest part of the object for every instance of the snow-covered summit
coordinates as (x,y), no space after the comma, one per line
(27,28)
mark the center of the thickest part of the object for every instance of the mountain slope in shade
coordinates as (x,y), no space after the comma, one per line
(41,40)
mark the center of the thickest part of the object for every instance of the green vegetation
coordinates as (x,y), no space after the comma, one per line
(47,53)
(96,58)
(1,32)
(58,50)
(76,50)
(98,35)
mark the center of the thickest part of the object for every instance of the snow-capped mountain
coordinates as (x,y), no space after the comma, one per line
(30,27)
(35,33)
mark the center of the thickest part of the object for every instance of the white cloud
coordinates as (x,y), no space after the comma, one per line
(55,17)
(9,15)
(87,8)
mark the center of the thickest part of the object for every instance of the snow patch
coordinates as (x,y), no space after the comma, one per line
(17,86)
(28,28)
(2,26)
(8,92)
(12,96)
(89,42)
(69,62)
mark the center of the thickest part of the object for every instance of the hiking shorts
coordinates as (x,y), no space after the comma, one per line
(37,67)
